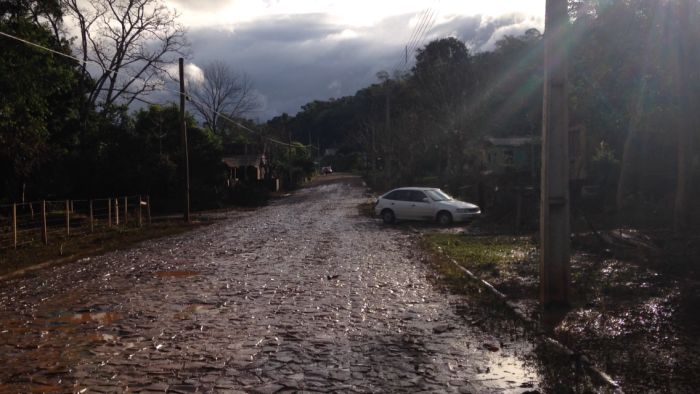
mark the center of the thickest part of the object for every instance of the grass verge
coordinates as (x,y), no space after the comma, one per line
(72,249)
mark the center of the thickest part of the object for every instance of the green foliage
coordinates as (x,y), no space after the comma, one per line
(37,99)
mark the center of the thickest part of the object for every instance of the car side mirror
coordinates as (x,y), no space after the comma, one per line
(426,199)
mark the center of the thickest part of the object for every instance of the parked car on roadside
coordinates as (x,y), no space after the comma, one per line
(424,203)
(326,170)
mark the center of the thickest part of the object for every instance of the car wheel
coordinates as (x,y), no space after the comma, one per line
(388,216)
(444,218)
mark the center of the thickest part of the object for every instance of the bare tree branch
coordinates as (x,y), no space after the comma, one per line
(223,91)
(138,38)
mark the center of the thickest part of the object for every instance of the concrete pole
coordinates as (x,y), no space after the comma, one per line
(555,261)
(185,159)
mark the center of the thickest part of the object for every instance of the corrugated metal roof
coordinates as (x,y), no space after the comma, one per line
(253,160)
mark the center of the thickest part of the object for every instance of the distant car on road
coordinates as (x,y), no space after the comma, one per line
(326,170)
(424,203)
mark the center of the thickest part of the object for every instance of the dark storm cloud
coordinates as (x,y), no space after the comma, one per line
(300,58)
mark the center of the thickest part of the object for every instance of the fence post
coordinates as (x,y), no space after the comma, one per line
(44,234)
(67,218)
(109,212)
(126,210)
(116,212)
(71,207)
(138,210)
(148,208)
(92,223)
(14,222)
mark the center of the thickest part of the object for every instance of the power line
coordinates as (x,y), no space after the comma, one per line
(428,17)
(140,79)
(417,27)
(425,34)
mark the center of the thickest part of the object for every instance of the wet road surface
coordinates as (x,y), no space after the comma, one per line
(302,296)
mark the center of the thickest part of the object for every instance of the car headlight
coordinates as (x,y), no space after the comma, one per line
(466,210)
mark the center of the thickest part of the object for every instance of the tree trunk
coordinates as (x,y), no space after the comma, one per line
(630,155)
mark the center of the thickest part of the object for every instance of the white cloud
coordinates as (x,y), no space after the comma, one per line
(514,29)
(335,87)
(344,35)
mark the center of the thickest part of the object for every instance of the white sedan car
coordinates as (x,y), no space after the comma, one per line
(423,203)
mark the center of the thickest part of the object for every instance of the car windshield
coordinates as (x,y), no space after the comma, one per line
(438,195)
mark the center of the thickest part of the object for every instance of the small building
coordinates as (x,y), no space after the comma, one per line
(250,167)
(512,155)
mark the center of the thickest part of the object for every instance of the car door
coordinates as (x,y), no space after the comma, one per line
(421,209)
(402,204)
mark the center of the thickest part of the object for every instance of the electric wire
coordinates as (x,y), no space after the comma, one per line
(417,42)
(421,18)
(425,34)
(165,88)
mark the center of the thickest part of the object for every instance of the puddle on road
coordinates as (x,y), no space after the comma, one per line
(177,274)
(508,374)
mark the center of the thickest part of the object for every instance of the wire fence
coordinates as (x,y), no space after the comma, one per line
(45,222)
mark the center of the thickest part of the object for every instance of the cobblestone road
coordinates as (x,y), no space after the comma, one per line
(302,296)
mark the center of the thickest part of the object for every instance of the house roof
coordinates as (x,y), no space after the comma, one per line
(253,160)
(514,141)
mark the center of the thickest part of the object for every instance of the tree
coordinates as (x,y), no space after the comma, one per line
(443,75)
(223,91)
(135,42)
(36,92)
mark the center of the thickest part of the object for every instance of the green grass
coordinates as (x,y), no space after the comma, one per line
(484,254)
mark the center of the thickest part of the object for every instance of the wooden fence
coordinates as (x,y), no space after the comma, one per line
(43,222)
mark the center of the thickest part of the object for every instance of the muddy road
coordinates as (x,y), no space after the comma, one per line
(304,295)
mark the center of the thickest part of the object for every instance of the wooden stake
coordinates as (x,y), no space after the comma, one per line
(14,222)
(92,222)
(126,212)
(138,211)
(44,234)
(109,212)
(68,204)
(116,212)
(148,208)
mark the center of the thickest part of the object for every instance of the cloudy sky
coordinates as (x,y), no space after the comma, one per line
(298,51)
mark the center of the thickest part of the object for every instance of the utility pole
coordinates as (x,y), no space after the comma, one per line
(387,155)
(185,159)
(555,259)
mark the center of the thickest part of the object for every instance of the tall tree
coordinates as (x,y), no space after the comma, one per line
(35,90)
(223,91)
(134,42)
(443,74)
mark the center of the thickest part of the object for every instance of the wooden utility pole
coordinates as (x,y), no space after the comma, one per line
(185,160)
(387,155)
(555,260)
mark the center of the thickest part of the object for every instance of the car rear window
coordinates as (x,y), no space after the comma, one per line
(390,196)
(403,195)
